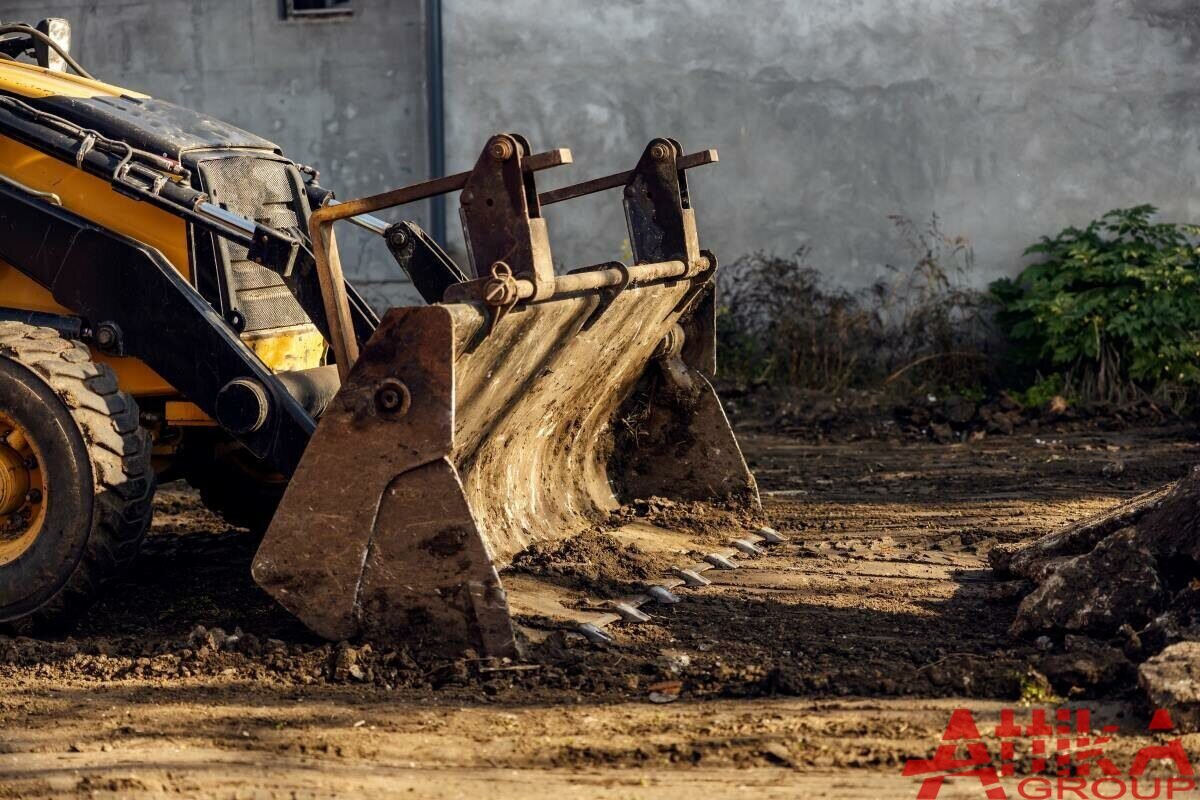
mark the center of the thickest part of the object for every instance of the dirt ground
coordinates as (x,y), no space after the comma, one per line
(814,671)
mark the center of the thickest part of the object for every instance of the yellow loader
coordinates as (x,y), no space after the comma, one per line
(172,305)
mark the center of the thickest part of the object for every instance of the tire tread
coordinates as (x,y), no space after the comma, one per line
(119,450)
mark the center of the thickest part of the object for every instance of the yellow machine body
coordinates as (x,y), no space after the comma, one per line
(95,199)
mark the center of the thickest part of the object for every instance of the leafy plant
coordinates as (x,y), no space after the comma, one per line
(1041,392)
(1034,689)
(1113,308)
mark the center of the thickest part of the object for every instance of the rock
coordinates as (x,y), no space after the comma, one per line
(1172,528)
(1116,583)
(958,410)
(942,432)
(345,663)
(1171,680)
(1086,664)
(211,638)
(1178,622)
(1113,469)
(1003,423)
(778,753)
(664,691)
(1038,558)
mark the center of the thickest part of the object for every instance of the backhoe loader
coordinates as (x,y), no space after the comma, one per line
(172,305)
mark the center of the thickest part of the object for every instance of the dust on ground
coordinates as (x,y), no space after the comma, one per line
(814,672)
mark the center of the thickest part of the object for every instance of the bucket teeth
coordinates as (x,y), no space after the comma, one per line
(661,594)
(720,562)
(692,578)
(594,634)
(747,547)
(630,613)
(771,536)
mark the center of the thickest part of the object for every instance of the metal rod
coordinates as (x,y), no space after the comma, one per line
(614,276)
(427,189)
(231,219)
(437,115)
(371,223)
(396,197)
(332,282)
(609,277)
(366,221)
(689,161)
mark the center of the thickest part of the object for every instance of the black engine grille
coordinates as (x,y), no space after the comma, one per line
(268,192)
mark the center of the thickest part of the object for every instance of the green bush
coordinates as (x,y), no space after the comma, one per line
(1039,395)
(1113,308)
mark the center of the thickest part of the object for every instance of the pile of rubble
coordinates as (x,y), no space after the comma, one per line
(1117,596)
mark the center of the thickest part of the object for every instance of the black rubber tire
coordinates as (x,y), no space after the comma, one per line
(97,469)
(232,486)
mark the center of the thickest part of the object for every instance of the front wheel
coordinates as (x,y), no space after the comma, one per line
(76,482)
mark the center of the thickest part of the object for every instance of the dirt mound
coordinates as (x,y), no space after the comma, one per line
(1118,588)
(600,564)
(595,562)
(708,523)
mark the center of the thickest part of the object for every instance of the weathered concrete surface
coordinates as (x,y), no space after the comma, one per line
(1010,118)
(347,97)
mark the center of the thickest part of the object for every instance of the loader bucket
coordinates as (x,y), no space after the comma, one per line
(469,429)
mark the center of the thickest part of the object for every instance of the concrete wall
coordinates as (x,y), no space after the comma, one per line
(347,97)
(1009,118)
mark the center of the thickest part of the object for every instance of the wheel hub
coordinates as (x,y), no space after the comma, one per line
(22,490)
(14,480)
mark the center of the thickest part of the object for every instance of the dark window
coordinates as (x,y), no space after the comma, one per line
(323,9)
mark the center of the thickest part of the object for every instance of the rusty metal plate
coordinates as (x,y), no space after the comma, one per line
(312,556)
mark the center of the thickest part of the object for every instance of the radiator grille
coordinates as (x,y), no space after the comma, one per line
(263,190)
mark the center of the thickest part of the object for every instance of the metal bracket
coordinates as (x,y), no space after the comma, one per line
(662,226)
(502,217)
(484,241)
(430,268)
